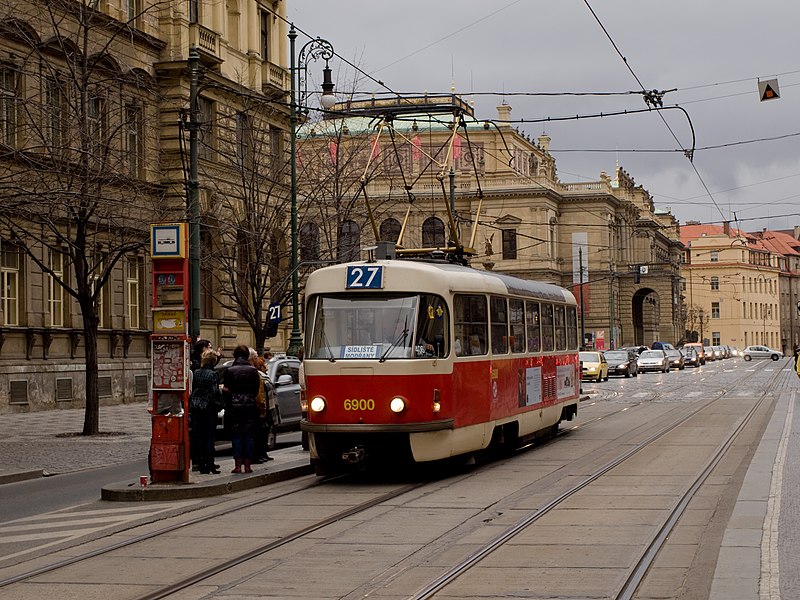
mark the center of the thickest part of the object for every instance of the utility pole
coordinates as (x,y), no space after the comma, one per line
(193,198)
(580,269)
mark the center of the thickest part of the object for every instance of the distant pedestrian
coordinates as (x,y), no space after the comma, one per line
(204,404)
(266,403)
(240,387)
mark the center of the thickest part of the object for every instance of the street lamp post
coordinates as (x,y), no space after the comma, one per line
(193,197)
(312,50)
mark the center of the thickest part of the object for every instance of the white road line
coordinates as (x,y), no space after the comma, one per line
(769,584)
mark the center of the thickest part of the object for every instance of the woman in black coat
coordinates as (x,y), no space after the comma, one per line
(241,385)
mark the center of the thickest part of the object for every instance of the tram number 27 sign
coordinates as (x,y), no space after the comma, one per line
(364,277)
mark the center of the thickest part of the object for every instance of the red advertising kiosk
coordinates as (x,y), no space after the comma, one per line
(170,354)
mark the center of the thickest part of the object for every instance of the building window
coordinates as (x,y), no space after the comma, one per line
(349,241)
(8,106)
(98,123)
(715,310)
(233,23)
(309,242)
(433,233)
(243,140)
(133,285)
(265,35)
(205,109)
(134,136)
(56,296)
(194,10)
(509,244)
(715,283)
(390,230)
(714,256)
(55,112)
(715,338)
(10,262)
(132,9)
(276,152)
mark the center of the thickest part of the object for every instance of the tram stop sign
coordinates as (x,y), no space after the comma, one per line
(768,90)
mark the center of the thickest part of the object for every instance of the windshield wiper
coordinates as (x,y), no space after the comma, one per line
(327,346)
(401,338)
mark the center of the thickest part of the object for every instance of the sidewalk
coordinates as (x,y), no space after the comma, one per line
(47,443)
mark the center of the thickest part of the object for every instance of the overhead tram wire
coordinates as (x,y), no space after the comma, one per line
(636,77)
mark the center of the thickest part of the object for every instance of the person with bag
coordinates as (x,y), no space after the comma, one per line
(267,410)
(204,404)
(241,385)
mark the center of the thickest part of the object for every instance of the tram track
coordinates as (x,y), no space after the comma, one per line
(645,561)
(426,592)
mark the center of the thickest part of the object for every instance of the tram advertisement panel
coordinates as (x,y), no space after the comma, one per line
(565,381)
(533,387)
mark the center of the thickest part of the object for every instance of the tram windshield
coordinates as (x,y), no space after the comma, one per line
(378,326)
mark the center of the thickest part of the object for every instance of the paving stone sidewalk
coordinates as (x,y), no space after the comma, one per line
(49,440)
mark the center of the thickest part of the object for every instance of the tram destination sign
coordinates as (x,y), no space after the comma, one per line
(364,277)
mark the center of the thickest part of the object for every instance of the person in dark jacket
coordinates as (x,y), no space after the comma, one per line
(241,385)
(204,404)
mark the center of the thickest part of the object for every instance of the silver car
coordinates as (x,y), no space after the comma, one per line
(752,352)
(653,360)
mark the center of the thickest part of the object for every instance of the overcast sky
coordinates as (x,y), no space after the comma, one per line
(712,51)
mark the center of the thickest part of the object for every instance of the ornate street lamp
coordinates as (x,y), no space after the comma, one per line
(312,50)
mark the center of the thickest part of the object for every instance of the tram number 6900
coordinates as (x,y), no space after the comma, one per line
(359,404)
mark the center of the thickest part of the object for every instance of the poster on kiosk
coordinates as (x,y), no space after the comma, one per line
(169,344)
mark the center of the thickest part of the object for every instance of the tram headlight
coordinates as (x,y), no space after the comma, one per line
(397,405)
(317,404)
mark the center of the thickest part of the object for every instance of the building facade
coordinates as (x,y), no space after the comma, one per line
(423,168)
(732,287)
(94,108)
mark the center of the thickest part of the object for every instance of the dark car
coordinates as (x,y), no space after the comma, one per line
(691,358)
(622,362)
(675,358)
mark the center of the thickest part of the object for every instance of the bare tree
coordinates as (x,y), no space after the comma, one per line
(248,212)
(75,179)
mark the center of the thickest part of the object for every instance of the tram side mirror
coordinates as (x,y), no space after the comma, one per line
(438,344)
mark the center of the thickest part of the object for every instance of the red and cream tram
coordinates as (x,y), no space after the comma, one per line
(424,361)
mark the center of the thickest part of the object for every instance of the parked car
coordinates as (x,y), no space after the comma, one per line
(699,348)
(622,362)
(675,359)
(594,365)
(653,360)
(691,358)
(710,356)
(718,354)
(752,352)
(283,372)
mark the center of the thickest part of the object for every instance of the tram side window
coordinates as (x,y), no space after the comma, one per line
(572,328)
(532,326)
(433,327)
(561,328)
(471,325)
(499,319)
(516,313)
(548,334)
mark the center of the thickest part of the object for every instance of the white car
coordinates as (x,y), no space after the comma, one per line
(752,352)
(653,360)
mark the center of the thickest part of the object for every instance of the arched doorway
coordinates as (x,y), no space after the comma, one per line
(645,310)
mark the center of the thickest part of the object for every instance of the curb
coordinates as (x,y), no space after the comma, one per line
(20,476)
(131,492)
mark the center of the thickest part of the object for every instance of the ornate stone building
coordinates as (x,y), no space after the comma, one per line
(94,108)
(404,159)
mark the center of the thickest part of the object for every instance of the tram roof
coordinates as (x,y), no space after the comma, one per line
(432,276)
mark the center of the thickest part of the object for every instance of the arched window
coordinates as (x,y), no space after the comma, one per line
(349,241)
(390,230)
(433,233)
(309,241)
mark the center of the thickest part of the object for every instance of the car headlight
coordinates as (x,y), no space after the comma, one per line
(397,405)
(317,404)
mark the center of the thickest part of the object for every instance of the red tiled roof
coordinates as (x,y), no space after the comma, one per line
(780,242)
(693,232)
